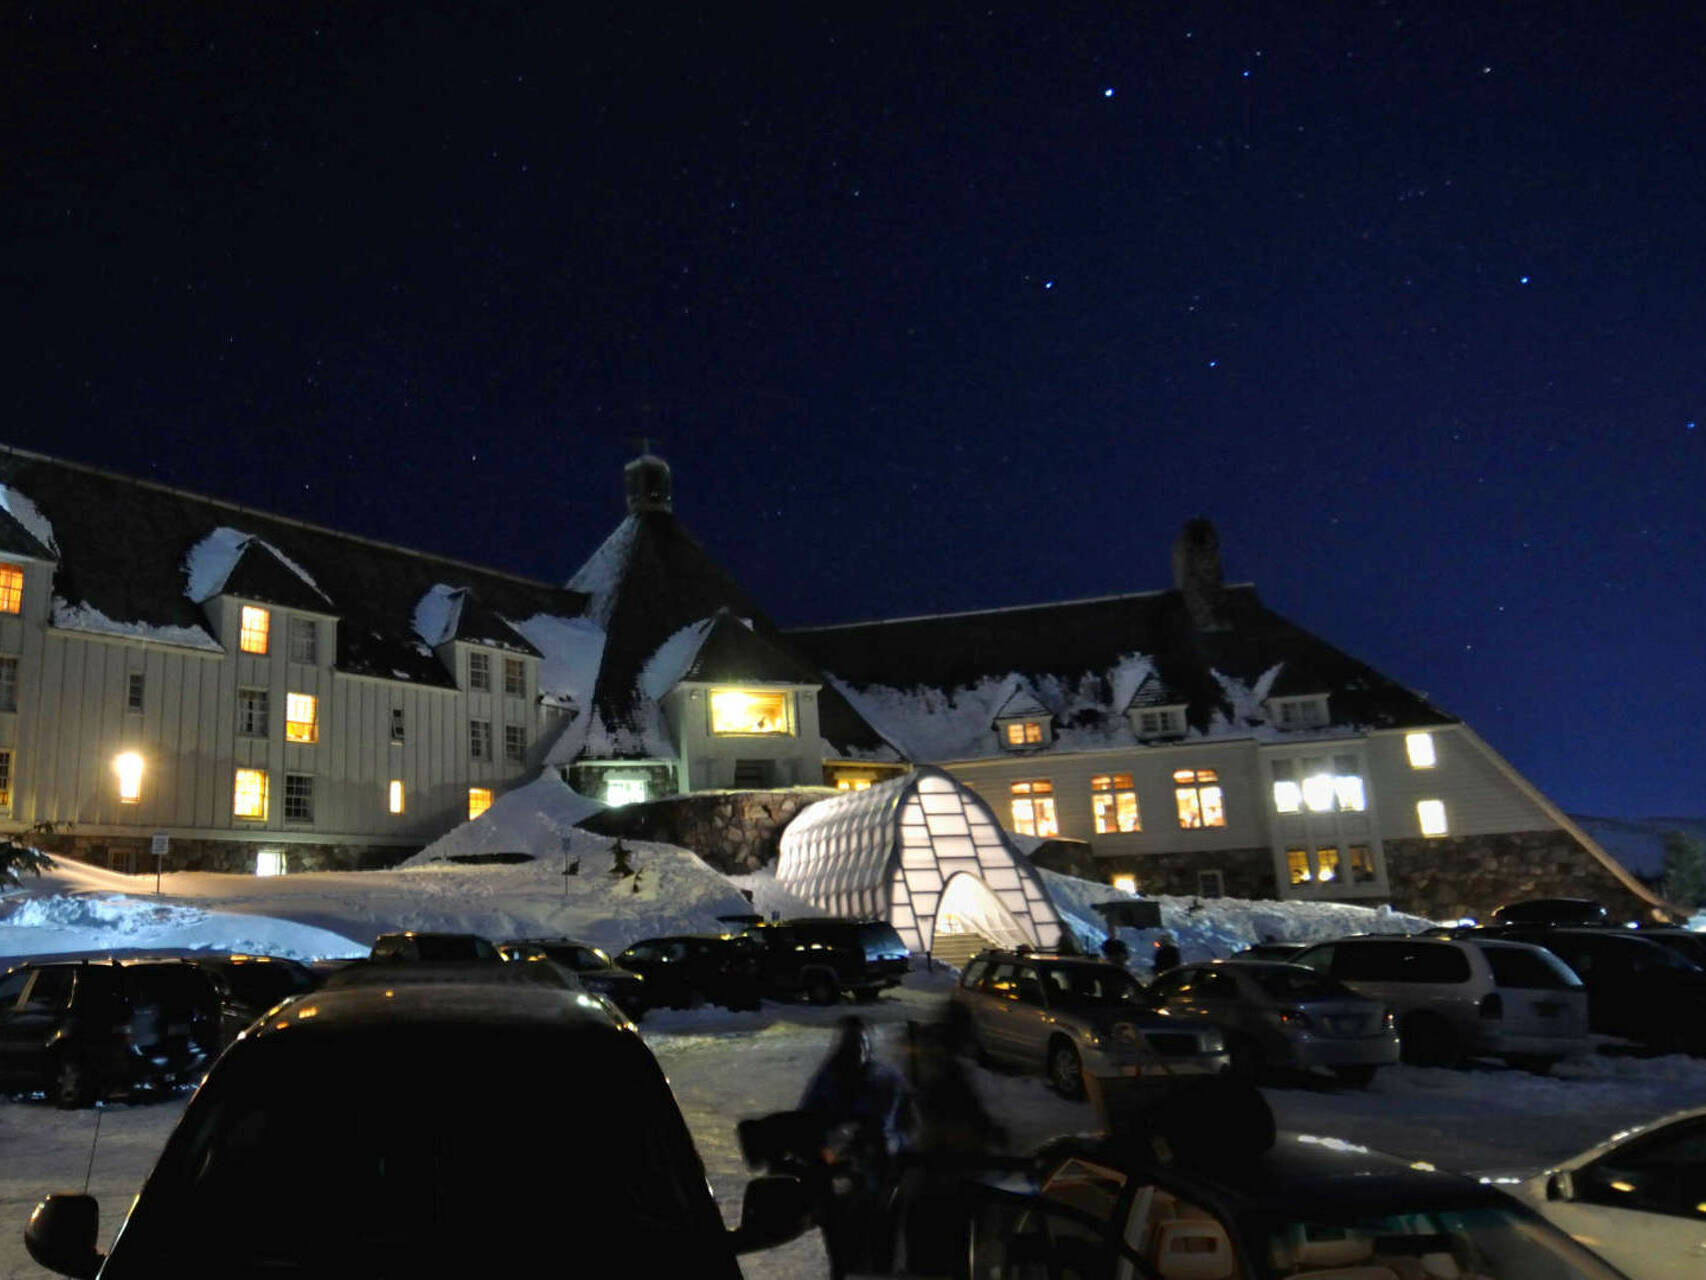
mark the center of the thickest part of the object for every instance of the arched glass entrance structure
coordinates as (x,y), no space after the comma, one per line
(920,851)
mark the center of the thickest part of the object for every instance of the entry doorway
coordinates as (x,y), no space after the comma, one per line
(969,919)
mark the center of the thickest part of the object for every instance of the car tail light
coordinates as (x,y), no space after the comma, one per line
(1295,1018)
(1493,1006)
(1387,1022)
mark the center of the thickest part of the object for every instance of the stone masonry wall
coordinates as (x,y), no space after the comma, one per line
(130,854)
(1247,873)
(1447,877)
(734,831)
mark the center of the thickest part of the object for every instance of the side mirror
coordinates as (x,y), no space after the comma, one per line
(61,1235)
(1560,1186)
(774,1211)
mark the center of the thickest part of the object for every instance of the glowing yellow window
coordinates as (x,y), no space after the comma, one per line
(749,711)
(11,589)
(1420,748)
(1198,796)
(249,800)
(1033,808)
(394,796)
(479,800)
(1327,865)
(301,718)
(1297,866)
(128,766)
(256,625)
(1362,864)
(1431,814)
(1024,733)
(1113,803)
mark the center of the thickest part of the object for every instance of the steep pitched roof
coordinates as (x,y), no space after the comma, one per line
(123,548)
(1083,658)
(646,583)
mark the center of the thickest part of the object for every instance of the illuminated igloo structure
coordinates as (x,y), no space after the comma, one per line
(924,853)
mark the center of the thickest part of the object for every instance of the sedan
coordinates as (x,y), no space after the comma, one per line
(1283,1015)
(590,964)
(1638,1199)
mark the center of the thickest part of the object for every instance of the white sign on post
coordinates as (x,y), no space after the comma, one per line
(160,844)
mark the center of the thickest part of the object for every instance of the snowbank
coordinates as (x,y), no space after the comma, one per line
(531,819)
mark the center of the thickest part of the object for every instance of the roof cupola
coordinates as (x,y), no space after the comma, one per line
(647,481)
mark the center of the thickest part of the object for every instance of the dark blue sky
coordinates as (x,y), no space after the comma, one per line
(930,309)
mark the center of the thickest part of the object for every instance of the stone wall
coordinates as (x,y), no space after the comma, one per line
(734,831)
(1067,857)
(130,854)
(1448,877)
(1246,873)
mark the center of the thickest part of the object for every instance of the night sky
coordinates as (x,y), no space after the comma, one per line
(929,308)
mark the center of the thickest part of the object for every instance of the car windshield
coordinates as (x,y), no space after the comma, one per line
(1487,1242)
(580,959)
(399,1154)
(454,946)
(1523,969)
(1089,986)
(1293,982)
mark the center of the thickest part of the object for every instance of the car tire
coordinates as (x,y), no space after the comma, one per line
(821,988)
(1427,1040)
(1065,1069)
(72,1086)
(1356,1075)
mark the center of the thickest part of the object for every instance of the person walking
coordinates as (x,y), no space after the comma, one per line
(1166,954)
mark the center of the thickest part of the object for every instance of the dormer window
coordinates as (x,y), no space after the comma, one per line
(750,711)
(1307,712)
(480,671)
(1016,735)
(1158,722)
(253,630)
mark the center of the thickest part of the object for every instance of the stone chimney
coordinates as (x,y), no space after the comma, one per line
(646,479)
(1196,572)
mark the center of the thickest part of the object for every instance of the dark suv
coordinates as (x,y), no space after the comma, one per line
(588,963)
(821,957)
(82,1029)
(689,969)
(250,985)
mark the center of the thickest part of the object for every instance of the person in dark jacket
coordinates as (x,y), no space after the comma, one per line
(1166,954)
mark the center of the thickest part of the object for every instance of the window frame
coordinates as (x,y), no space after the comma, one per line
(1105,804)
(8,682)
(396,798)
(479,671)
(515,678)
(399,726)
(247,696)
(135,691)
(1168,721)
(261,792)
(304,732)
(1035,792)
(11,588)
(302,784)
(1023,733)
(479,739)
(254,630)
(788,727)
(479,800)
(1200,787)
(302,637)
(515,742)
(1300,711)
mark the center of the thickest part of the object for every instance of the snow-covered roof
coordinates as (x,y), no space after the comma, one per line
(20,508)
(209,565)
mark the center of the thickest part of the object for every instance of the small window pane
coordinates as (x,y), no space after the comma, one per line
(301,717)
(479,671)
(304,640)
(479,800)
(298,797)
(1420,748)
(515,677)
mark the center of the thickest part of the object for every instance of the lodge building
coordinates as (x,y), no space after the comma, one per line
(271,695)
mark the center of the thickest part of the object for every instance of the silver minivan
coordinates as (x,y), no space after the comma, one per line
(1455,998)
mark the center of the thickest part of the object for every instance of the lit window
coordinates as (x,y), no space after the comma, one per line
(853,784)
(1318,792)
(1198,795)
(625,791)
(11,589)
(252,713)
(1327,865)
(745,711)
(134,689)
(1431,814)
(1024,733)
(480,739)
(301,722)
(394,796)
(1113,803)
(515,677)
(128,766)
(1362,864)
(252,636)
(1420,747)
(298,797)
(1126,884)
(479,800)
(250,798)
(1348,791)
(1033,808)
(1297,866)
(515,742)
(1288,796)
(304,640)
(8,684)
(479,671)
(5,780)
(269,862)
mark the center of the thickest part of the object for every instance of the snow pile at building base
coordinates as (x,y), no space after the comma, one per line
(1210,928)
(532,819)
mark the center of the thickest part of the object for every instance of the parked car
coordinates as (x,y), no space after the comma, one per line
(432,948)
(1282,1015)
(1278,951)
(1687,943)
(684,971)
(1637,988)
(1551,911)
(1310,1207)
(1637,1199)
(1069,1016)
(1454,997)
(426,1099)
(822,958)
(82,1029)
(588,963)
(250,985)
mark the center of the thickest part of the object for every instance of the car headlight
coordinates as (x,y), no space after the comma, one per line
(1214,1042)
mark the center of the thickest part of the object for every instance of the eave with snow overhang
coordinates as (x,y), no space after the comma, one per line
(923,853)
